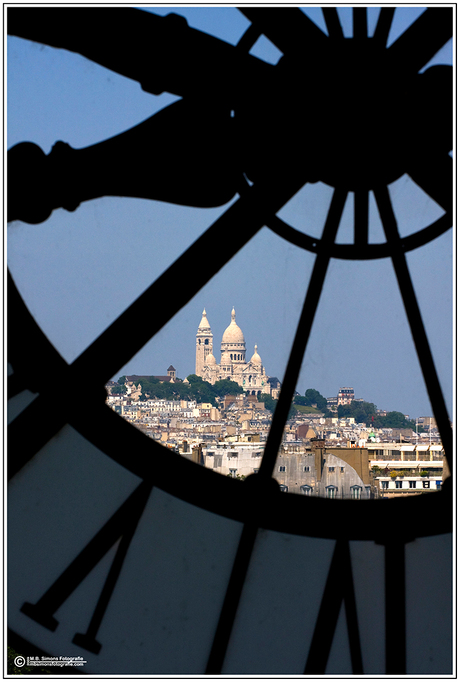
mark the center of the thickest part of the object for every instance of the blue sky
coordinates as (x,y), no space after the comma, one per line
(78,271)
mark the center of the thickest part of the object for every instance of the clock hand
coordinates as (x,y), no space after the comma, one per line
(184,154)
(161,53)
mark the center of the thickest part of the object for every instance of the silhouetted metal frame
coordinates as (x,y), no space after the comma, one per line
(260,503)
(339,589)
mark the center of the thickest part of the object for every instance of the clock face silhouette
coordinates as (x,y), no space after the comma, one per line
(149,564)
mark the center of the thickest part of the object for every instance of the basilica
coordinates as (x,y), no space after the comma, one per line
(233,364)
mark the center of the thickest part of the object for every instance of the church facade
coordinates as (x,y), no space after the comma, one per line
(250,375)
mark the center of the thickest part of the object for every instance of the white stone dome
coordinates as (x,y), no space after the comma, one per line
(256,359)
(233,333)
(210,359)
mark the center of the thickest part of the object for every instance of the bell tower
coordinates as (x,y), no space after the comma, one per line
(203,344)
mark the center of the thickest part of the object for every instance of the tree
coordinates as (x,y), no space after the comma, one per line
(396,420)
(150,387)
(268,401)
(122,380)
(301,400)
(314,397)
(194,378)
(201,391)
(119,389)
(360,410)
(227,387)
(270,404)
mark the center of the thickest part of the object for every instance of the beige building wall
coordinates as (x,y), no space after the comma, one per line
(358,458)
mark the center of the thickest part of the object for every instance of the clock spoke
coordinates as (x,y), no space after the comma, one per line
(33,359)
(231,600)
(161,53)
(288,28)
(361,215)
(331,17)
(249,38)
(339,588)
(415,321)
(302,334)
(31,430)
(434,174)
(382,30)
(359,22)
(25,336)
(395,608)
(15,385)
(416,46)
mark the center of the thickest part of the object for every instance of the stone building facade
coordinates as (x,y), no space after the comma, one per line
(250,375)
(315,473)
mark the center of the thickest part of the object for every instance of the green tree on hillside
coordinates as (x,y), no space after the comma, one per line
(397,420)
(314,397)
(202,391)
(195,389)
(227,387)
(149,384)
(119,389)
(367,413)
(361,411)
(194,378)
(270,404)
